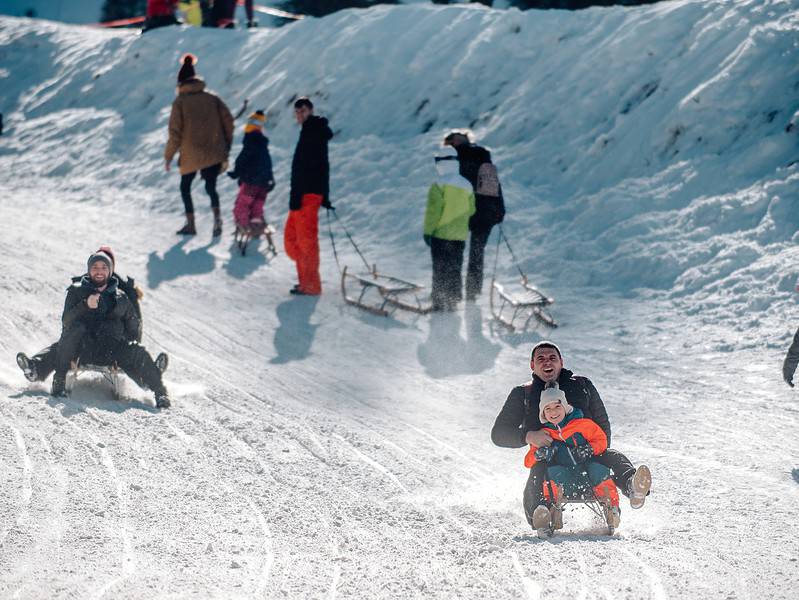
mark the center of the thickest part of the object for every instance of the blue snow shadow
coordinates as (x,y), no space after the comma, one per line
(176,262)
(295,333)
(446,353)
(242,267)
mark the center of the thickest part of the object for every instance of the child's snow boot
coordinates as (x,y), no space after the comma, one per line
(638,486)
(188,228)
(59,386)
(542,521)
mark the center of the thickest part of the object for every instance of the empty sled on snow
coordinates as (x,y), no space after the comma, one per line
(110,373)
(529,303)
(383,294)
(509,308)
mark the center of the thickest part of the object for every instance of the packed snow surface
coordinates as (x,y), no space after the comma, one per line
(648,157)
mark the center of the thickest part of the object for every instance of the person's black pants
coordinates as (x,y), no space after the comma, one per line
(77,343)
(447,278)
(620,466)
(209,174)
(474,272)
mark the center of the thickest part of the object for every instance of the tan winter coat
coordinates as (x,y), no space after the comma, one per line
(200,128)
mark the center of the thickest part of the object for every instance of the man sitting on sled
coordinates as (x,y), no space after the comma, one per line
(519,423)
(100,326)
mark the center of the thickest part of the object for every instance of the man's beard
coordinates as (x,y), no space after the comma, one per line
(99,283)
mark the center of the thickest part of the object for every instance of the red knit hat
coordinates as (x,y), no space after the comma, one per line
(107,250)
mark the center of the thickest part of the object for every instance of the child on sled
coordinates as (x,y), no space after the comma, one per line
(571,472)
(253,169)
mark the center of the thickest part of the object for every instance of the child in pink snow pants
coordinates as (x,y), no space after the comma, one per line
(253,169)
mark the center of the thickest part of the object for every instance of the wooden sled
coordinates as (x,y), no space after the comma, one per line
(111,373)
(506,308)
(243,236)
(391,293)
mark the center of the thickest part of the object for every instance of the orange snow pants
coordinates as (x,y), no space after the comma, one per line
(301,241)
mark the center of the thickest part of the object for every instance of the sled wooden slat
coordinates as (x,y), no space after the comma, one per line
(391,291)
(509,307)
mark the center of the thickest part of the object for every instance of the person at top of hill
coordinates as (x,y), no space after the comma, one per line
(572,470)
(253,169)
(518,424)
(476,166)
(100,326)
(42,364)
(450,203)
(310,189)
(160,13)
(201,130)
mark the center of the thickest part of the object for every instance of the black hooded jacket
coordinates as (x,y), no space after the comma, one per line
(114,318)
(310,169)
(490,210)
(520,412)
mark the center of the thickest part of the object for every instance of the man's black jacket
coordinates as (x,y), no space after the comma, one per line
(114,318)
(310,169)
(520,412)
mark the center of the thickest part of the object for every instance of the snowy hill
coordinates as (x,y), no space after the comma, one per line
(648,159)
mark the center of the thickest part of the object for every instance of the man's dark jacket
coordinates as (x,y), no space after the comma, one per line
(253,164)
(520,412)
(490,210)
(310,169)
(114,318)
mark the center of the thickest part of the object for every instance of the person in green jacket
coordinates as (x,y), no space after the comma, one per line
(450,203)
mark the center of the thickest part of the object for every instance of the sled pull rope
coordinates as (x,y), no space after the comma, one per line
(333,241)
(349,237)
(512,254)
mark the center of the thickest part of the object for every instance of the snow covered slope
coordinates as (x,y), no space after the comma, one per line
(314,451)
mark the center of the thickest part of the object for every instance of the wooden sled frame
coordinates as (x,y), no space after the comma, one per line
(109,372)
(242,237)
(533,306)
(596,506)
(390,289)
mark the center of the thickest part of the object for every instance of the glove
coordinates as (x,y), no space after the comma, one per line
(270,186)
(580,454)
(232,175)
(545,453)
(427,239)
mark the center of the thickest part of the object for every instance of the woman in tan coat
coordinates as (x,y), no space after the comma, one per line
(201,129)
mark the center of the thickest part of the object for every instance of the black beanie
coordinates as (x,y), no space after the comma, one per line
(187,70)
(100,256)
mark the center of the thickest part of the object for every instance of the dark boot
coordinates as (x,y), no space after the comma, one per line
(188,228)
(217,222)
(59,387)
(28,367)
(162,398)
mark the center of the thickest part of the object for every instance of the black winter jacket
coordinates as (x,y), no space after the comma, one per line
(520,412)
(490,210)
(310,169)
(253,164)
(114,318)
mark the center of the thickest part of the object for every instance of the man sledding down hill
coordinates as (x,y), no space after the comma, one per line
(101,325)
(578,435)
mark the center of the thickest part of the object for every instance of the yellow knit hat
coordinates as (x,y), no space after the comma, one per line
(255,122)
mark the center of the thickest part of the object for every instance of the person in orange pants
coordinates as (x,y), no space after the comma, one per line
(310,187)
(301,240)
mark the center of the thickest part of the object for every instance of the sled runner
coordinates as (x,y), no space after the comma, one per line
(548,520)
(378,294)
(520,306)
(389,293)
(243,235)
(110,373)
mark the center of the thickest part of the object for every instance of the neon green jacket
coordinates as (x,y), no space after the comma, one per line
(448,211)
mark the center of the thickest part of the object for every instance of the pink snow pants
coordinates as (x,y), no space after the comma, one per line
(249,204)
